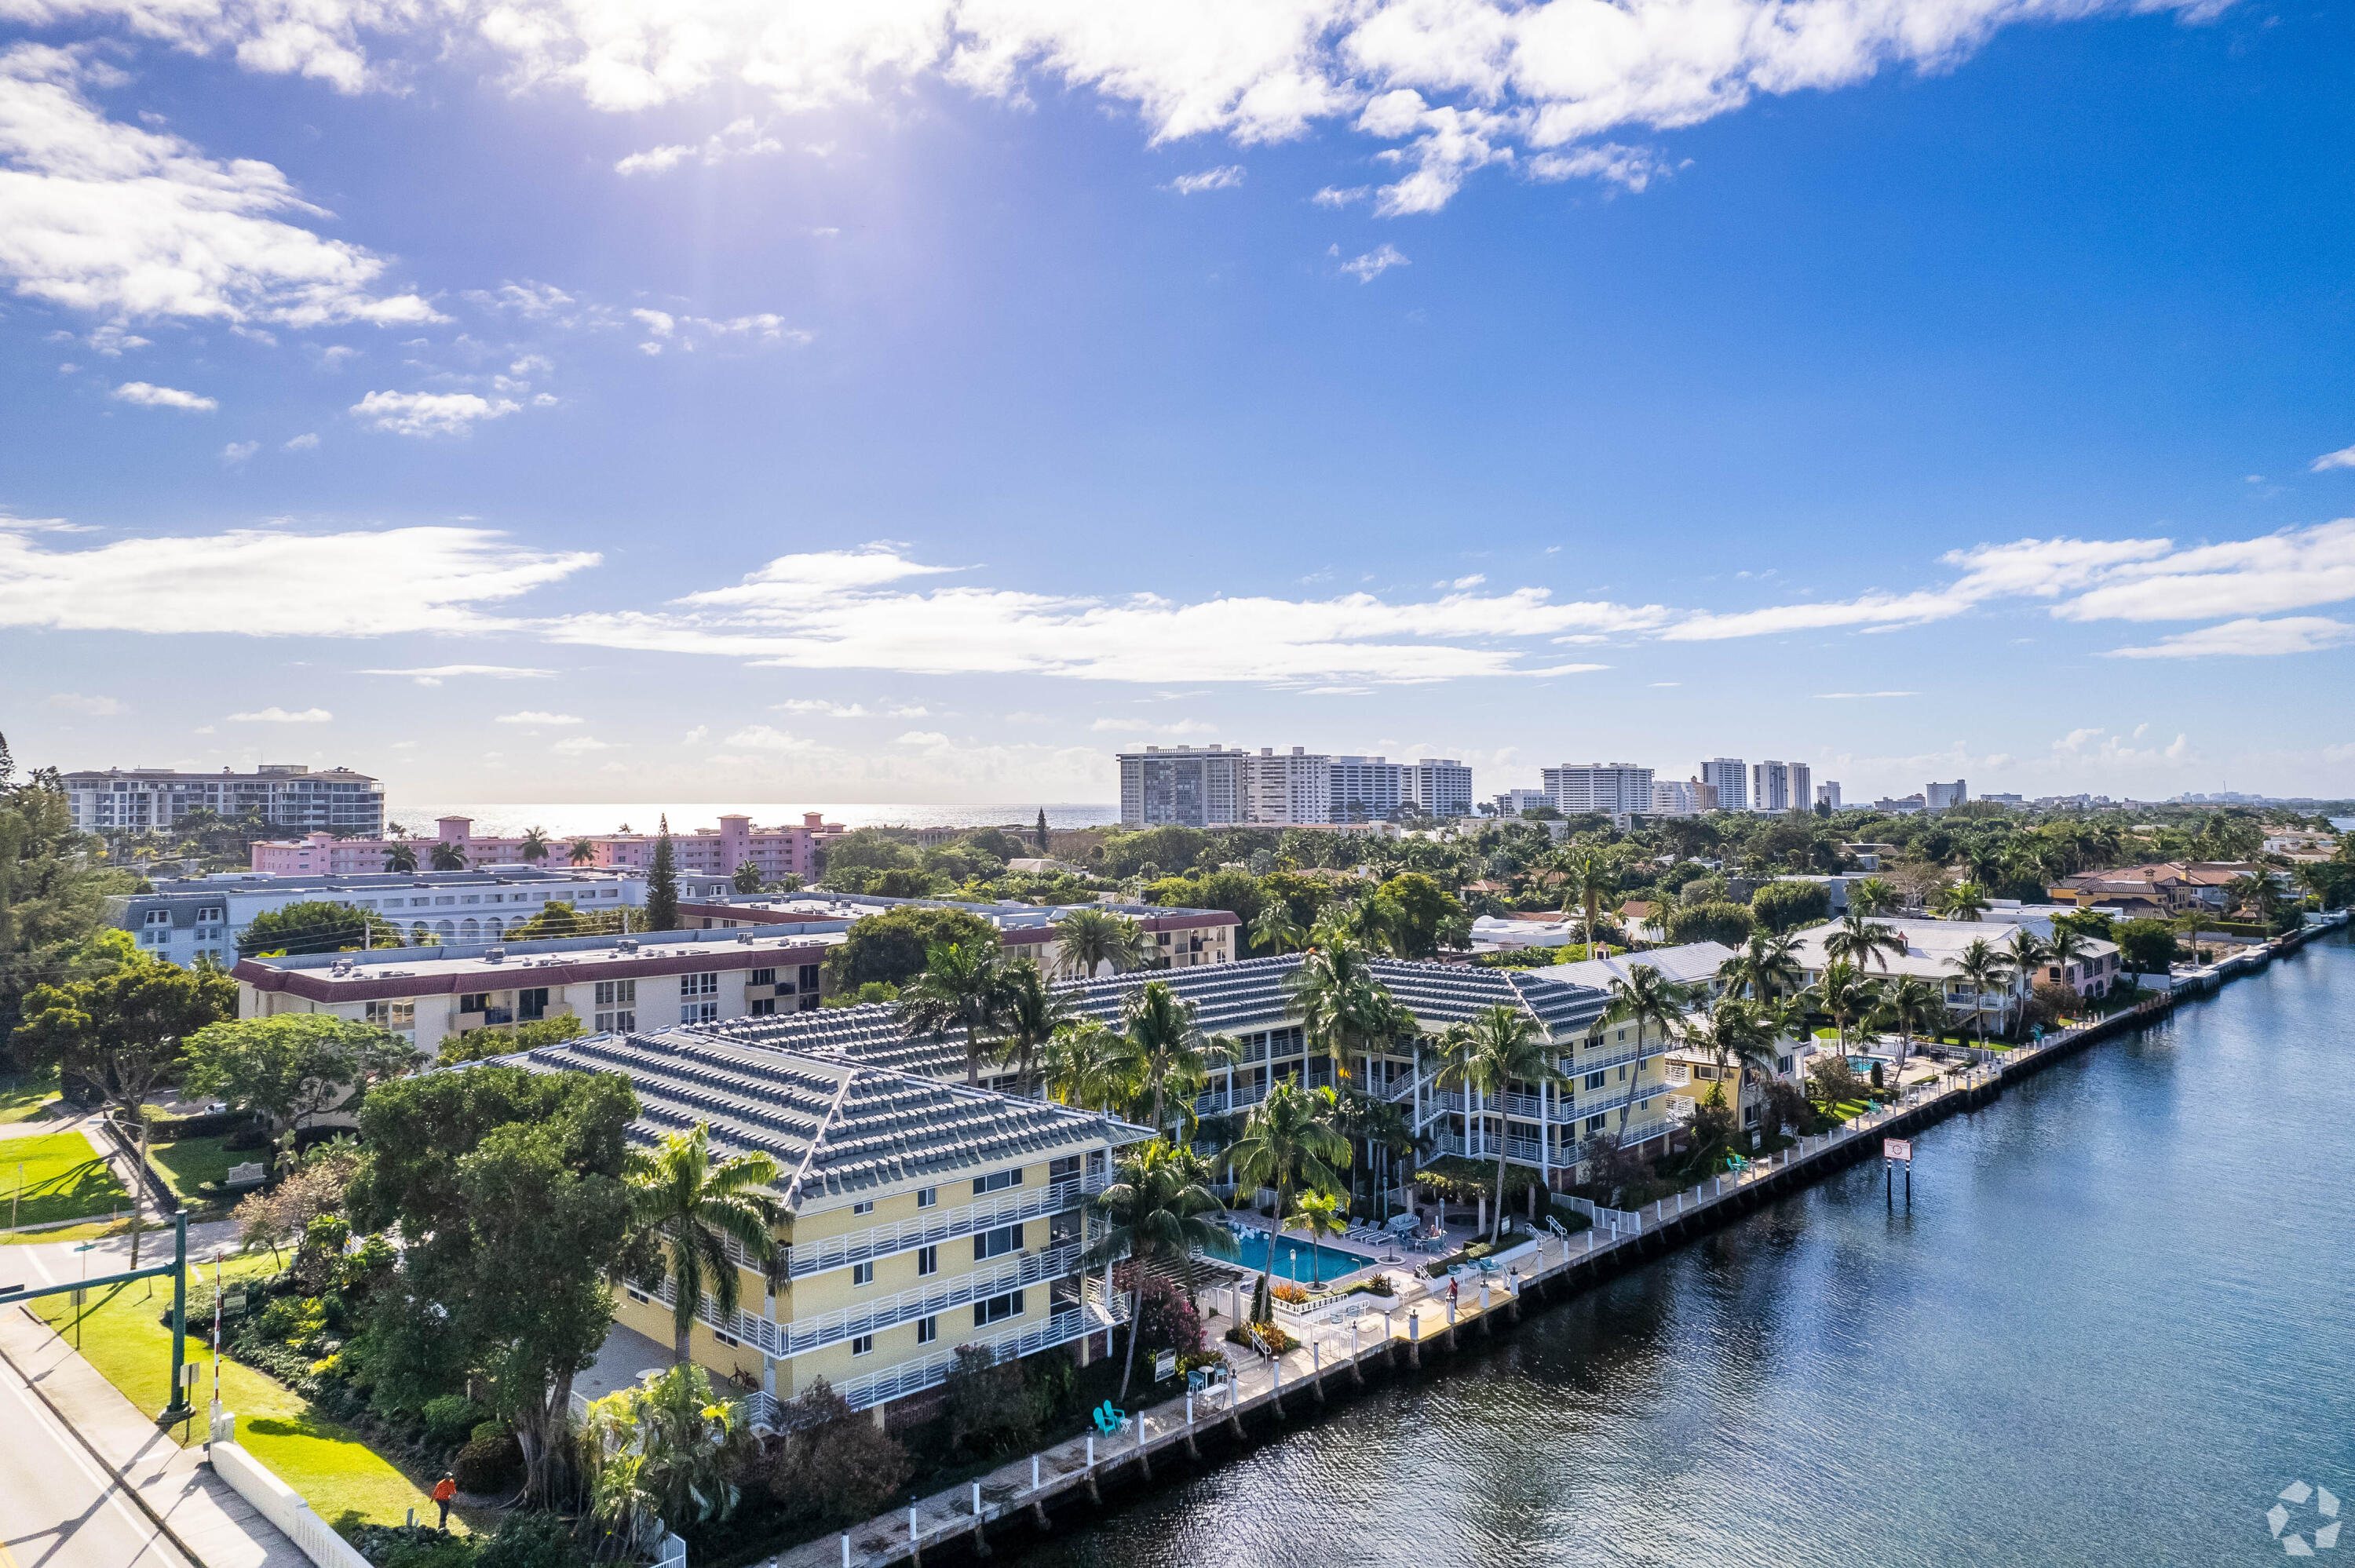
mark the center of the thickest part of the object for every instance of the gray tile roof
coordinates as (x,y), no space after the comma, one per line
(837,1125)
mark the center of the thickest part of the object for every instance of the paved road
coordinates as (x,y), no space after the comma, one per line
(57,1508)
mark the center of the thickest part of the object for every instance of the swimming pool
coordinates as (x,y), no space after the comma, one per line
(1293,1260)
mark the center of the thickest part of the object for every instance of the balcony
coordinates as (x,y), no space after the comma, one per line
(799,1337)
(913,1377)
(881,1241)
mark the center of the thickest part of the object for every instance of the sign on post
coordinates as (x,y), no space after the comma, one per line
(1165,1366)
(1897,1149)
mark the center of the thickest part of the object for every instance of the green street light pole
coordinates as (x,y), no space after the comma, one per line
(179,1408)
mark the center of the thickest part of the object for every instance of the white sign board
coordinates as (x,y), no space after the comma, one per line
(1897,1149)
(1165,1366)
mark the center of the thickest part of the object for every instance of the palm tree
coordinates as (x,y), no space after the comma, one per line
(1498,1046)
(745,878)
(449,857)
(2028,953)
(1088,939)
(1912,1004)
(1162,1045)
(2255,891)
(583,852)
(1768,966)
(1382,1130)
(1737,1034)
(687,1209)
(1587,879)
(1034,1010)
(535,845)
(1644,997)
(1984,965)
(1276,931)
(1962,901)
(1288,1143)
(1341,1000)
(1862,943)
(2066,948)
(1841,994)
(960,988)
(400,857)
(1320,1214)
(1083,1066)
(1155,1210)
(1872,896)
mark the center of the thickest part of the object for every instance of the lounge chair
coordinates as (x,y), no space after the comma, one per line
(1111,1422)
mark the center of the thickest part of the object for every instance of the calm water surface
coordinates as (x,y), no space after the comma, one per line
(2116,1323)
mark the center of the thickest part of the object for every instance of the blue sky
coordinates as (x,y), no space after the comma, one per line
(592,399)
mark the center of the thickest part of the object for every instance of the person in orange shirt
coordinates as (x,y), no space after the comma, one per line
(445,1490)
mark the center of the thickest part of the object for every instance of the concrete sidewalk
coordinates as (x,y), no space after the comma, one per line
(204,1515)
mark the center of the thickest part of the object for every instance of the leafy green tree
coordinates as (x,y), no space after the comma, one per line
(1170,848)
(1039,833)
(1088,937)
(662,882)
(1872,896)
(316,925)
(1234,890)
(293,1065)
(1085,1063)
(664,1452)
(685,1208)
(745,878)
(1165,1048)
(892,947)
(123,1028)
(1767,967)
(506,1186)
(1289,1141)
(961,988)
(499,1040)
(1425,913)
(1787,905)
(1032,1010)
(1154,1209)
(1499,1046)
(867,849)
(2145,947)
(1276,931)
(1728,922)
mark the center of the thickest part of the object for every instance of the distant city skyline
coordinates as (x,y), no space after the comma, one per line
(926,413)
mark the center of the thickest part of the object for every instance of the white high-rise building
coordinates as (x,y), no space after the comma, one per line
(1941,796)
(278,794)
(1182,786)
(1439,787)
(1574,789)
(1676,797)
(1287,788)
(1770,787)
(1828,794)
(1803,785)
(1731,780)
(1365,789)
(1513,802)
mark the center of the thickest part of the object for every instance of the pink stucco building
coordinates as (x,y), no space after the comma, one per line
(777,852)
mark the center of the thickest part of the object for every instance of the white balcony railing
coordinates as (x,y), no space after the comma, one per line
(913,1377)
(881,1241)
(799,1337)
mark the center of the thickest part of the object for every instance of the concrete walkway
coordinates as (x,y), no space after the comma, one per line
(88,1425)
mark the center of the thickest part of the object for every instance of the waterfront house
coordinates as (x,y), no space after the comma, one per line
(1933,947)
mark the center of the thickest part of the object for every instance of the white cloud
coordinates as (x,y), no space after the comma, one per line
(115,220)
(848,609)
(149,395)
(1630,168)
(1374,263)
(1337,195)
(308,441)
(2288,570)
(1850,696)
(818,705)
(1460,83)
(96,707)
(429,413)
(1225,177)
(435,675)
(530,715)
(581,744)
(270,582)
(2249,637)
(2343,458)
(741,138)
(236,452)
(282,716)
(764,328)
(767,738)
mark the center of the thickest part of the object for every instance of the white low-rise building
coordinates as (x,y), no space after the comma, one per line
(1933,948)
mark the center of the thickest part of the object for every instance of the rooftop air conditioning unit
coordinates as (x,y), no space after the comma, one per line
(496,955)
(626,945)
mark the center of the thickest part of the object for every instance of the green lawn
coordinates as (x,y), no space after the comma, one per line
(336,1472)
(64,1179)
(90,1232)
(197,1168)
(24,1097)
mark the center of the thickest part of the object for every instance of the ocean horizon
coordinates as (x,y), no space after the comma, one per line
(506,821)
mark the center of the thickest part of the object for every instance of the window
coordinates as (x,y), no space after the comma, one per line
(1595,1123)
(808,977)
(393,1014)
(698,1012)
(619,1022)
(474,1001)
(863,1346)
(1782,1065)
(867,1207)
(1596,1080)
(997,1182)
(998,1309)
(1063,1170)
(996,1243)
(159,916)
(705,984)
(927,1196)
(927,1261)
(762,977)
(617,993)
(762,1007)
(927,1330)
(531,1004)
(862,1274)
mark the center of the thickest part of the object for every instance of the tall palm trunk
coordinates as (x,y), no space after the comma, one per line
(1135,1320)
(1497,1222)
(1267,1276)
